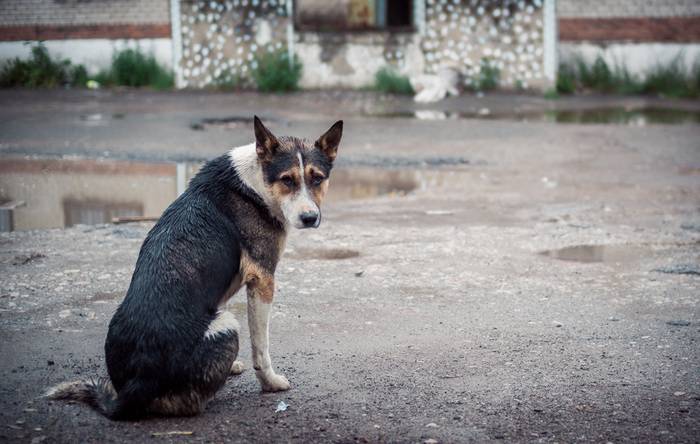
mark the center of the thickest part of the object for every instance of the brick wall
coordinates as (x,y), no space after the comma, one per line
(627,8)
(67,19)
(661,21)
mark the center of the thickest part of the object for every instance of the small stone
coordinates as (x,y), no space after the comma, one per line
(613,319)
(430,441)
(678,393)
(557,323)
(431,424)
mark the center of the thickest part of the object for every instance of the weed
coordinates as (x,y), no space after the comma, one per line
(41,71)
(566,80)
(388,81)
(488,77)
(131,67)
(275,73)
(551,94)
(671,80)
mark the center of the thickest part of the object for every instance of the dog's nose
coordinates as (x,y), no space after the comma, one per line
(309,218)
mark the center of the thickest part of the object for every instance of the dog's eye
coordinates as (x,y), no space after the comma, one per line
(288,181)
(316,180)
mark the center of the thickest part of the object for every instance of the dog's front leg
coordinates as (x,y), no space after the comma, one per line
(260,294)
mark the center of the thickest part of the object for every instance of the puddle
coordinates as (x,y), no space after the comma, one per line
(324,253)
(595,253)
(363,183)
(614,116)
(57,193)
(227,123)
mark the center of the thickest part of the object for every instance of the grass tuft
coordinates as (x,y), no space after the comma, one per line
(670,80)
(488,78)
(275,73)
(131,67)
(388,81)
(41,71)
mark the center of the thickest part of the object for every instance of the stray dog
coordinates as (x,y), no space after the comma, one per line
(170,345)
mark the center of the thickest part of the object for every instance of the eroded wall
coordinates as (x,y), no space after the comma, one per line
(221,39)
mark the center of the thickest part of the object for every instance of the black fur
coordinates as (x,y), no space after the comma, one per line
(155,345)
(159,359)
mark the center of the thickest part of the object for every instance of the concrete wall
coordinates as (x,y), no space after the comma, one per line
(86,31)
(638,58)
(95,54)
(220,40)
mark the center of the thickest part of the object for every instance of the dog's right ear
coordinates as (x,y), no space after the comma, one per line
(265,142)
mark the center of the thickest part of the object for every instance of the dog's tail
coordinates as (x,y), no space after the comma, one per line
(97,393)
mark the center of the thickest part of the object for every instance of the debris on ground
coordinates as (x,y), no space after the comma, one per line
(281,406)
(690,269)
(173,433)
(678,323)
(23,259)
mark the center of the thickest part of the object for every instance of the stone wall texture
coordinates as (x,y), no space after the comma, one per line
(222,39)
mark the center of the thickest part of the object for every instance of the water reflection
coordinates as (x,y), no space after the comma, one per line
(55,193)
(609,115)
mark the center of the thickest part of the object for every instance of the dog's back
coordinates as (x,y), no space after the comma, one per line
(185,265)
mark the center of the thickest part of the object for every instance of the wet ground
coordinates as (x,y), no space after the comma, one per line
(475,279)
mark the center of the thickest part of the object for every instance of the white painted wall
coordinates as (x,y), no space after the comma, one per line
(639,58)
(95,54)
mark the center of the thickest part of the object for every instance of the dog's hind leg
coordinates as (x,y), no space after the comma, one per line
(210,364)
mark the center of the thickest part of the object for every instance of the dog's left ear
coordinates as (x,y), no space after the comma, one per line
(329,141)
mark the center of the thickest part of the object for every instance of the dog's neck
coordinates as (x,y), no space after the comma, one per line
(247,165)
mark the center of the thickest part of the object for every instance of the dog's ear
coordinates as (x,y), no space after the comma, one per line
(265,142)
(329,141)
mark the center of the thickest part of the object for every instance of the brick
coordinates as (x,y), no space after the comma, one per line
(639,29)
(64,32)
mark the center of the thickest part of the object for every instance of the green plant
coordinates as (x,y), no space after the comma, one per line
(566,80)
(389,81)
(672,80)
(551,94)
(488,77)
(275,73)
(131,67)
(79,75)
(41,71)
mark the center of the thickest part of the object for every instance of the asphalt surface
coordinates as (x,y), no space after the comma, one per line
(409,316)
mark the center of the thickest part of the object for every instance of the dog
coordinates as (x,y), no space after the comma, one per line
(171,345)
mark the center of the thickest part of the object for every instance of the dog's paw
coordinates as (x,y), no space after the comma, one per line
(237,367)
(274,383)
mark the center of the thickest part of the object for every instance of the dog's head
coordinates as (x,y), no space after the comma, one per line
(296,173)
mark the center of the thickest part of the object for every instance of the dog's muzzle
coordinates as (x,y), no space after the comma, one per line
(310,219)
